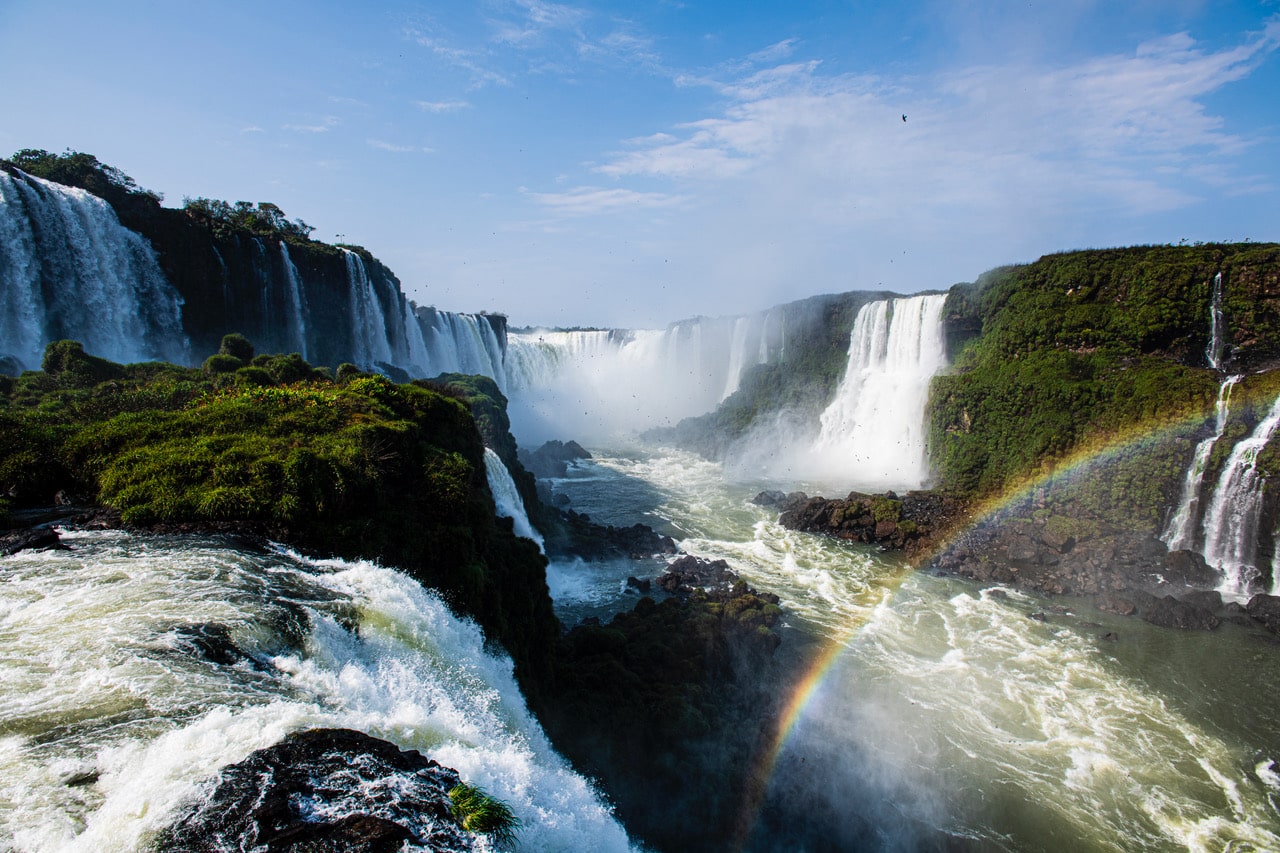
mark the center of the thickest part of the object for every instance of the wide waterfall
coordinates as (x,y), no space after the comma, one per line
(874,428)
(507,497)
(1182,528)
(69,269)
(600,383)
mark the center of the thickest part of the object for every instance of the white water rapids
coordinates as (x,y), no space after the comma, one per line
(110,720)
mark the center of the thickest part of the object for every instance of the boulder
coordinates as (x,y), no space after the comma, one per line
(552,459)
(1169,612)
(1265,609)
(324,790)
(35,539)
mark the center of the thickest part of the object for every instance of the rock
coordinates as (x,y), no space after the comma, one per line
(1187,568)
(1169,612)
(552,459)
(324,790)
(1205,599)
(1113,603)
(35,539)
(1265,609)
(1110,637)
(770,497)
(639,585)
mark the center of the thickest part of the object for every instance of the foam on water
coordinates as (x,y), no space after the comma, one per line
(113,721)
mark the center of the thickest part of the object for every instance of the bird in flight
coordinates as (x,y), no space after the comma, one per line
(904,116)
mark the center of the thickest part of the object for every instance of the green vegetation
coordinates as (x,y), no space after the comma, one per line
(1084,353)
(263,220)
(76,169)
(478,812)
(362,469)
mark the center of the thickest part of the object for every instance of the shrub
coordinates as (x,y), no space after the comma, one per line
(478,812)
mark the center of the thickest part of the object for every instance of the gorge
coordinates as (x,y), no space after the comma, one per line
(1101,418)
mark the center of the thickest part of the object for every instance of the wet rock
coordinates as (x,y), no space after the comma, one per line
(35,539)
(1110,637)
(324,790)
(1187,568)
(210,641)
(1265,609)
(1205,599)
(552,459)
(1169,612)
(639,585)
(770,497)
(1113,603)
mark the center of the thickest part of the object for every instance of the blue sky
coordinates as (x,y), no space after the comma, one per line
(630,164)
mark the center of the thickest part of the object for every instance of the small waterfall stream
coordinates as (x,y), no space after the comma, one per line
(507,497)
(1181,532)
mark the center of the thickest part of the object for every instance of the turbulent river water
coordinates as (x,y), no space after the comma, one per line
(937,709)
(120,695)
(940,709)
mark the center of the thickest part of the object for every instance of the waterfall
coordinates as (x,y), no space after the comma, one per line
(874,428)
(368,321)
(1234,510)
(297,302)
(507,497)
(69,269)
(599,383)
(1180,534)
(1216,324)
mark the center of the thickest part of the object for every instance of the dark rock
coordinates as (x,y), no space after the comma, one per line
(1114,603)
(1187,568)
(689,573)
(1205,599)
(552,459)
(1265,609)
(35,539)
(210,641)
(639,585)
(1169,612)
(324,790)
(1038,616)
(770,497)
(1110,637)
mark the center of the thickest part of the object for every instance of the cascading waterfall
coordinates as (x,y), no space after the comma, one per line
(369,322)
(605,382)
(1235,509)
(507,497)
(1216,324)
(297,302)
(874,428)
(1181,531)
(69,269)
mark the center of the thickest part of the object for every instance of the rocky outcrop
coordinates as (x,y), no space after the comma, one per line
(574,534)
(324,790)
(35,539)
(552,458)
(667,704)
(911,523)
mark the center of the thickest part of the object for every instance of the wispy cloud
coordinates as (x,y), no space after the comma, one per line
(383,145)
(593,201)
(441,106)
(1128,131)
(321,125)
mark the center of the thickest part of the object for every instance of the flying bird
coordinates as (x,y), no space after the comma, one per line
(904,116)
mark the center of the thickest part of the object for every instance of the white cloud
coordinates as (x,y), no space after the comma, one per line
(441,106)
(1127,132)
(389,146)
(592,201)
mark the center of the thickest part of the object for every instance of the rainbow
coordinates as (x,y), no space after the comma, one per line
(1096,451)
